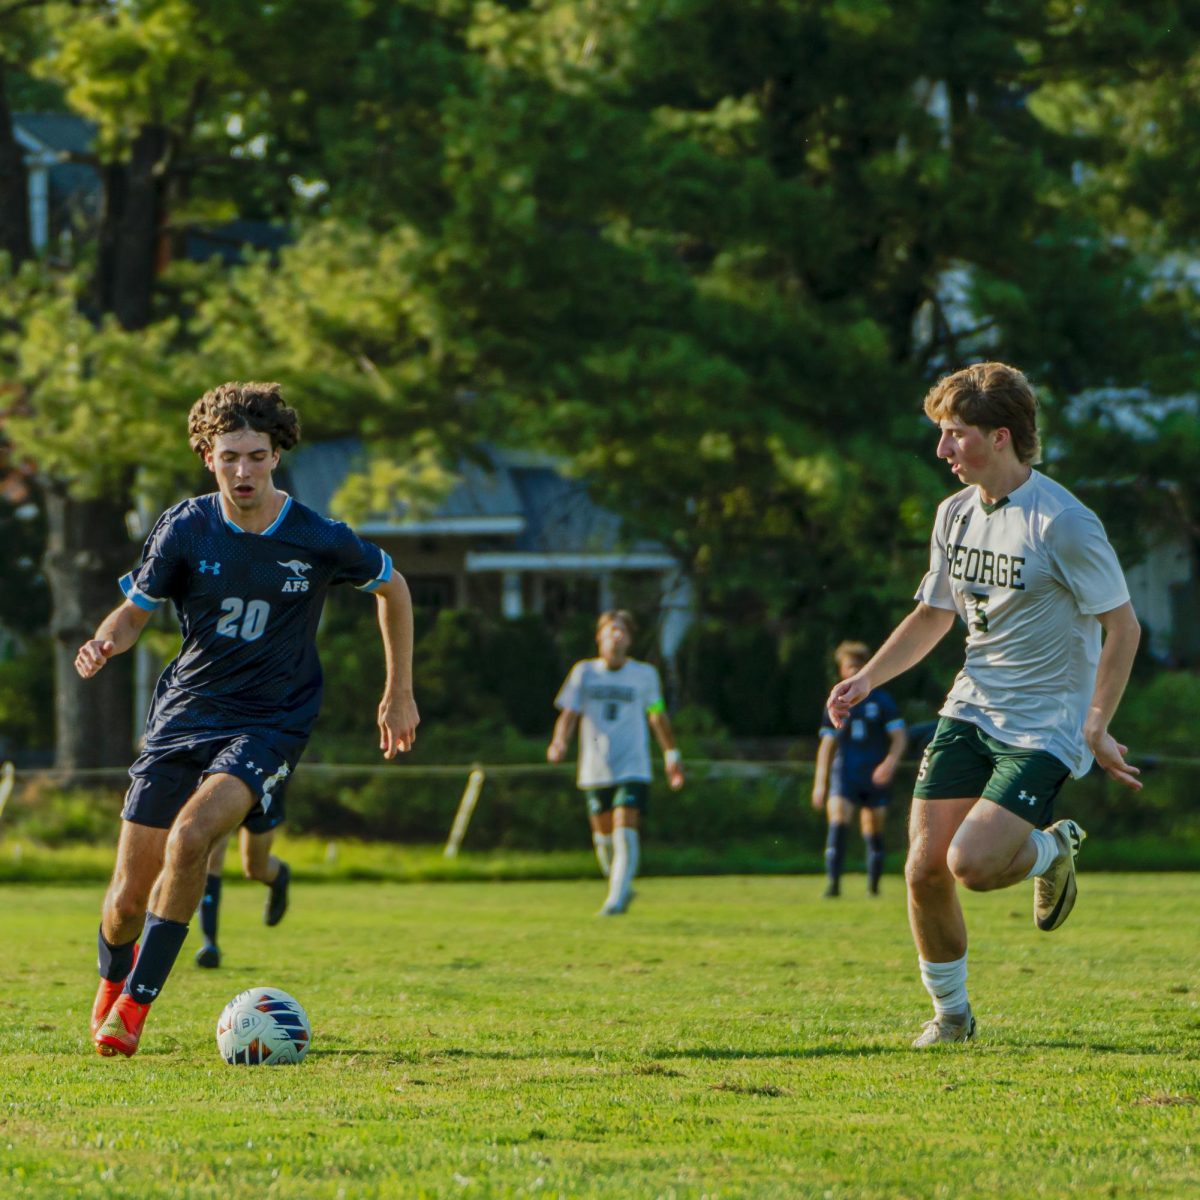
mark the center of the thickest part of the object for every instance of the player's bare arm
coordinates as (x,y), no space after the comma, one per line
(825,752)
(1122,632)
(560,740)
(907,644)
(660,725)
(398,716)
(114,635)
(886,770)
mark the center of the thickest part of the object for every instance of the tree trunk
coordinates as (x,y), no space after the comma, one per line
(137,229)
(87,550)
(14,187)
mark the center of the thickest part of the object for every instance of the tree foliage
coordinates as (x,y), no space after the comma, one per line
(711,252)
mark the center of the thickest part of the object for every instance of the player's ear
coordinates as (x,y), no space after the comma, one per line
(208,460)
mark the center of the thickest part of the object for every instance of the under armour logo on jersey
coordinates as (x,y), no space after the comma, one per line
(1027,798)
(205,565)
(252,767)
(151,992)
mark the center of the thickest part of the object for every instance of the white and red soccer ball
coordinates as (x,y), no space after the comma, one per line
(263,1027)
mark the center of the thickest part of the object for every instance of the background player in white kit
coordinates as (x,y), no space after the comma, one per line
(616,696)
(1031,572)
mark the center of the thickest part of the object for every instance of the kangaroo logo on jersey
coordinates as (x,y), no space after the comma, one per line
(295,582)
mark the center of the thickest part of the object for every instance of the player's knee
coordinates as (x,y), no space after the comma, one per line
(188,843)
(125,906)
(972,870)
(923,873)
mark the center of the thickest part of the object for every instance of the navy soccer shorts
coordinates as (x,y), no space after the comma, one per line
(856,786)
(163,780)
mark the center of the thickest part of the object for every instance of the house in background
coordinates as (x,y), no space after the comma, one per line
(64,193)
(514,536)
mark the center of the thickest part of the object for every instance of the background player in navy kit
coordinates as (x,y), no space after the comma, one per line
(247,569)
(855,765)
(257,863)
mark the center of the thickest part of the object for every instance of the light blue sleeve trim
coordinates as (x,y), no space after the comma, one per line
(892,726)
(135,594)
(826,731)
(385,573)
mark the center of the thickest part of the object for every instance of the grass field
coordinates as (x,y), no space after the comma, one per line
(729,1037)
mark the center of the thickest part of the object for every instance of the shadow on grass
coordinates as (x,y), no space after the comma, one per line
(699,1054)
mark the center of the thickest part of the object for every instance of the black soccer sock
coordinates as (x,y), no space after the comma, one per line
(114,962)
(874,859)
(835,851)
(210,908)
(161,943)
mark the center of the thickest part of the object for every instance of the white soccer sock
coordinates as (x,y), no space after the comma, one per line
(624,866)
(1047,848)
(604,844)
(946,983)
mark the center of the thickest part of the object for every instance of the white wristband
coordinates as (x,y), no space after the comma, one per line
(671,758)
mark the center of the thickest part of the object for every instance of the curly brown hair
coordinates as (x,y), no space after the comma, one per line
(234,406)
(990,395)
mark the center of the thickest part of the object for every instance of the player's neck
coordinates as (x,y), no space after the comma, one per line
(259,518)
(614,664)
(1004,479)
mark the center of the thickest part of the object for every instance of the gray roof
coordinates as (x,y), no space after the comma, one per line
(544,511)
(63,132)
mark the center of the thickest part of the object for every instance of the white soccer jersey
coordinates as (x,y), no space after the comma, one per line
(614,744)
(1028,577)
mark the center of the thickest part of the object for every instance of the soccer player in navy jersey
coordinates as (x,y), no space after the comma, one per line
(855,766)
(247,569)
(257,863)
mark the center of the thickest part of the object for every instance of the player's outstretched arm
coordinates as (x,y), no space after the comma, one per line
(660,723)
(564,729)
(907,644)
(1122,632)
(398,716)
(114,635)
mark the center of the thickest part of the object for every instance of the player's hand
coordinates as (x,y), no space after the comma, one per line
(556,752)
(882,775)
(845,696)
(398,721)
(675,776)
(1110,754)
(93,655)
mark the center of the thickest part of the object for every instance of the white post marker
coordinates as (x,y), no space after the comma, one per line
(466,806)
(7,775)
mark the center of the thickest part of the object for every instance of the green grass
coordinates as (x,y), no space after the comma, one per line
(729,1037)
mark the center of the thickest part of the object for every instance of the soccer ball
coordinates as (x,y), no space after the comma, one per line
(263,1027)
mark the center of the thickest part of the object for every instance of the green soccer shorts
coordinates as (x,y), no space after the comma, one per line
(962,761)
(621,795)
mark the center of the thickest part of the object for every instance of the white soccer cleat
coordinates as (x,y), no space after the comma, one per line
(1054,892)
(946,1029)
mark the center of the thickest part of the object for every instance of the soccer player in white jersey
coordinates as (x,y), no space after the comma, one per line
(1030,571)
(615,696)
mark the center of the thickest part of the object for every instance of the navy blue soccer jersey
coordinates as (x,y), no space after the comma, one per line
(248,605)
(865,736)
